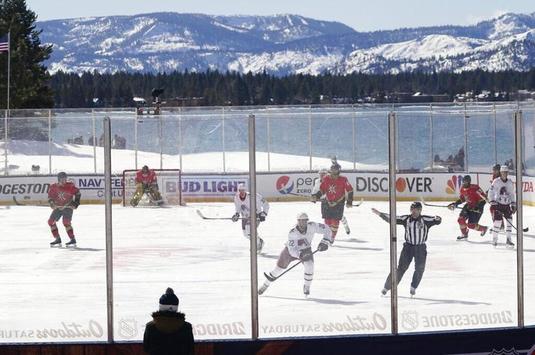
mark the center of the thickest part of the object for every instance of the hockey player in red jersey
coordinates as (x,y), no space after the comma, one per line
(337,190)
(474,199)
(146,182)
(63,198)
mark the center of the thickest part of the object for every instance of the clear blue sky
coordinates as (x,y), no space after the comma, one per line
(362,15)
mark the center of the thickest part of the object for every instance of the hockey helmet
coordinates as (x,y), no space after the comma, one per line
(335,169)
(241,187)
(467,179)
(417,205)
(62,175)
(302,220)
(496,167)
(323,172)
(504,169)
(145,169)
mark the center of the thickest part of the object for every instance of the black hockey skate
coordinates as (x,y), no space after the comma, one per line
(462,237)
(412,291)
(71,243)
(56,242)
(509,243)
(306,290)
(384,291)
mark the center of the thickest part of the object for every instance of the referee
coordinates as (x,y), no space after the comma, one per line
(416,231)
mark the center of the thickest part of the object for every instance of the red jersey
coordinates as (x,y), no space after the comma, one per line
(472,195)
(335,188)
(62,195)
(147,179)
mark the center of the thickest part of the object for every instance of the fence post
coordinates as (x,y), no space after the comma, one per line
(108,226)
(392,139)
(252,240)
(223,139)
(50,141)
(519,218)
(5,142)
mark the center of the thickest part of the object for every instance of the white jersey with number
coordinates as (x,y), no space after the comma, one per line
(244,207)
(298,241)
(502,191)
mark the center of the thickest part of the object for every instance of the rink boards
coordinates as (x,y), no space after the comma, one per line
(282,186)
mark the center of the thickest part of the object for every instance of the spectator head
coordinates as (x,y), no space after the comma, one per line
(169,301)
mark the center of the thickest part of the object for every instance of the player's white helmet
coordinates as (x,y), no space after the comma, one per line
(302,220)
(241,187)
(323,171)
(504,169)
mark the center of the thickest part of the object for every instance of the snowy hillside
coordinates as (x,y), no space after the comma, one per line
(282,44)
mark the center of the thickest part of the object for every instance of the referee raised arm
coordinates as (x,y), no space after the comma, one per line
(416,232)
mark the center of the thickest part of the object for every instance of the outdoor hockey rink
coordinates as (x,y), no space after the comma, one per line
(467,284)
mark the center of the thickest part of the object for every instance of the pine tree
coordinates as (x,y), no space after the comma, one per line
(29,79)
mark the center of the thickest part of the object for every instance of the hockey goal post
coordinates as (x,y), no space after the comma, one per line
(169,185)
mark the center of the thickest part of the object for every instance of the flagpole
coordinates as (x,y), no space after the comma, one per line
(8,66)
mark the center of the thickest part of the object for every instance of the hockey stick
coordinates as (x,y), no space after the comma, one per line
(511,223)
(271,278)
(18,203)
(358,203)
(434,205)
(216,218)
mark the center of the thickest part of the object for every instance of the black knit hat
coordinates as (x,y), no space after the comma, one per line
(168,301)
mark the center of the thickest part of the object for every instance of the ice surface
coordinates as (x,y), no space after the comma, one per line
(466,284)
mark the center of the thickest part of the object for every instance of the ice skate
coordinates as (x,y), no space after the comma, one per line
(495,242)
(71,243)
(484,230)
(509,243)
(412,291)
(306,290)
(384,291)
(264,287)
(56,242)
(259,245)
(462,237)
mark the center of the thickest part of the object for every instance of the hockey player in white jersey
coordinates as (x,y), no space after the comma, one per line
(243,207)
(299,247)
(502,205)
(324,205)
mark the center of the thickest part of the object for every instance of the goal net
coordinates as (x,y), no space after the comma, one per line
(169,185)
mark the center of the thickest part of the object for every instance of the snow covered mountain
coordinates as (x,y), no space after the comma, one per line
(282,44)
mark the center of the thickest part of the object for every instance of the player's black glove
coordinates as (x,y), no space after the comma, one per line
(452,206)
(323,245)
(262,216)
(235,217)
(305,254)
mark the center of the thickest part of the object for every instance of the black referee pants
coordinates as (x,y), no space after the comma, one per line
(410,251)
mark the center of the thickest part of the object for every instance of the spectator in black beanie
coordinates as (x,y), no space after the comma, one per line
(168,333)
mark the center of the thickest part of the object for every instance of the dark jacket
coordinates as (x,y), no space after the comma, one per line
(168,334)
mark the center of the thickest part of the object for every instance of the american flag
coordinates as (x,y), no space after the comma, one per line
(4,43)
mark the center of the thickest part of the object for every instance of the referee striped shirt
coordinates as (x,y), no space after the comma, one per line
(417,229)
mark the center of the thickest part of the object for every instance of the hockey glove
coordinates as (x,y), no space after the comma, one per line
(323,245)
(262,216)
(313,198)
(513,207)
(305,254)
(452,206)
(235,217)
